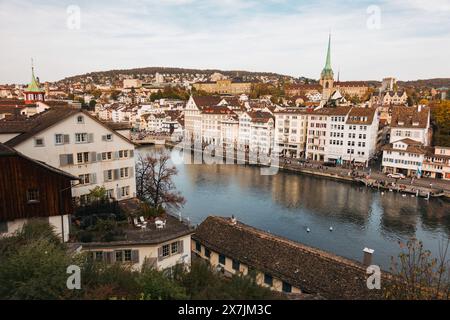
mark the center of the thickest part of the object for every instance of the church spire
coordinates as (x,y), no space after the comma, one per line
(327,71)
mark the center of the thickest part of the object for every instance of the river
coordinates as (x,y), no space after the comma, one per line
(286,204)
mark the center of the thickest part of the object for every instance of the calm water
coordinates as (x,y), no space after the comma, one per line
(286,204)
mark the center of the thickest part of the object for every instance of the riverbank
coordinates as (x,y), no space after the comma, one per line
(374,180)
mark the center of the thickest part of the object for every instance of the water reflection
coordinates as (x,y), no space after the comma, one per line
(286,204)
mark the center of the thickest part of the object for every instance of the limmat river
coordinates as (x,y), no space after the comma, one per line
(286,204)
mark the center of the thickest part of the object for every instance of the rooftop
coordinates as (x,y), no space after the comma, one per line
(312,270)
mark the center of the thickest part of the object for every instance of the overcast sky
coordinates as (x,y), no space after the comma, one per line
(408,39)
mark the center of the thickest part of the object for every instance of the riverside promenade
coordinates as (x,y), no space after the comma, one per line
(423,187)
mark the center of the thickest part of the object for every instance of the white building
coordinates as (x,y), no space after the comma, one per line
(412,123)
(342,134)
(76,142)
(212,118)
(403,156)
(261,132)
(290,132)
(193,116)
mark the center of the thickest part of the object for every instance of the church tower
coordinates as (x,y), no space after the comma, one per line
(327,76)
(33,93)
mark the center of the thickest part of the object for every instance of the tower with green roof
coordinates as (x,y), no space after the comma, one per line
(327,75)
(33,92)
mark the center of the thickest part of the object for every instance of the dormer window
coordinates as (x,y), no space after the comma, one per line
(415,123)
(401,123)
(80,119)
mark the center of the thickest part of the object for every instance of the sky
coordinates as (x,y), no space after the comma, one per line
(407,39)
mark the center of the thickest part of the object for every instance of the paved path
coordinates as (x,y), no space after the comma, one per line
(432,184)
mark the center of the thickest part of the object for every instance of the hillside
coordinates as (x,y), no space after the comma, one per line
(173,71)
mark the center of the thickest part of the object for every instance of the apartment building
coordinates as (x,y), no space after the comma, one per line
(212,118)
(404,156)
(290,132)
(76,142)
(261,132)
(342,135)
(411,123)
(193,115)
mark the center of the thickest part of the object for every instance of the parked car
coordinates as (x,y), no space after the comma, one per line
(396,175)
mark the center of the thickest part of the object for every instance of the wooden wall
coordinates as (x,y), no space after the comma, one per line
(17,175)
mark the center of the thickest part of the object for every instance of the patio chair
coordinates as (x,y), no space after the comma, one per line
(142,220)
(137,224)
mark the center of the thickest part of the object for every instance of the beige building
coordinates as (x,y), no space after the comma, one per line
(159,248)
(290,132)
(225,86)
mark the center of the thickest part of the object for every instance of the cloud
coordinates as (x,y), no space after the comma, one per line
(261,35)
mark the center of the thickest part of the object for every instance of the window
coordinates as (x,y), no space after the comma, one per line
(268,279)
(110,193)
(127,255)
(81,137)
(84,178)
(108,175)
(80,119)
(222,259)
(59,139)
(207,253)
(38,142)
(124,172)
(198,246)
(83,157)
(32,195)
(165,250)
(174,248)
(107,137)
(125,191)
(236,265)
(287,287)
(98,255)
(106,156)
(119,256)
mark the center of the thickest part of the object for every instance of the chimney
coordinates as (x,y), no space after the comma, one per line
(367,261)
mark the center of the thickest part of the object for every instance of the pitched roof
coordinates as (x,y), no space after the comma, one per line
(406,117)
(312,270)
(206,101)
(338,111)
(42,121)
(260,116)
(361,115)
(412,146)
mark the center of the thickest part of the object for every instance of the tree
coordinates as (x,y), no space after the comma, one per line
(154,183)
(33,264)
(98,193)
(419,276)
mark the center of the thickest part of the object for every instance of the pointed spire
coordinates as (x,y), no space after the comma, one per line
(328,62)
(327,71)
(34,84)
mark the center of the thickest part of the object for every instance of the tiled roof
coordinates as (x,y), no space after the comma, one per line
(312,270)
(406,117)
(338,111)
(260,116)
(42,121)
(361,115)
(206,101)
